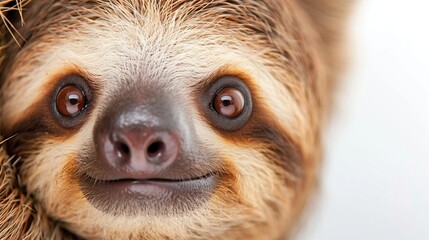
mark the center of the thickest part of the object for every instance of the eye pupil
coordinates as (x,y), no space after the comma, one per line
(229,102)
(70,100)
(74,99)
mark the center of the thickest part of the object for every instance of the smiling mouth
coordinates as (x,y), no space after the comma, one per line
(165,180)
(149,196)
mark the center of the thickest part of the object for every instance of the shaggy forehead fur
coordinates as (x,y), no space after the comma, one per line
(181,46)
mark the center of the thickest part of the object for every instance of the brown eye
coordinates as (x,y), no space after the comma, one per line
(229,102)
(70,100)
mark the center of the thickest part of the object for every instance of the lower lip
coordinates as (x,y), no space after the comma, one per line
(128,197)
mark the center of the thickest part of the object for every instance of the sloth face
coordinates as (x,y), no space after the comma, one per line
(174,120)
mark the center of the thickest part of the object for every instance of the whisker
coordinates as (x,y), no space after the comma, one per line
(9,138)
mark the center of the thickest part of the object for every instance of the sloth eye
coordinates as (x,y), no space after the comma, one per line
(70,100)
(228,103)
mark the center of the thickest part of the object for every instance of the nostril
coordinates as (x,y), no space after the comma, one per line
(122,150)
(155,149)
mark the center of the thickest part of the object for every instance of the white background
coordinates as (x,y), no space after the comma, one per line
(375,182)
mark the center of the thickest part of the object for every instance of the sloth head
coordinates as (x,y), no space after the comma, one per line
(168,119)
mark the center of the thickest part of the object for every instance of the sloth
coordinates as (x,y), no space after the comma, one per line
(163,119)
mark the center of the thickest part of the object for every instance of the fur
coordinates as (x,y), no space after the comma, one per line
(285,50)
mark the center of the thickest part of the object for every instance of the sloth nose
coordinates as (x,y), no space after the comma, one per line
(142,148)
(137,139)
(137,152)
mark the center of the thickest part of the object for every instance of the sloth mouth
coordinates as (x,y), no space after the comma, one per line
(132,196)
(166,180)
